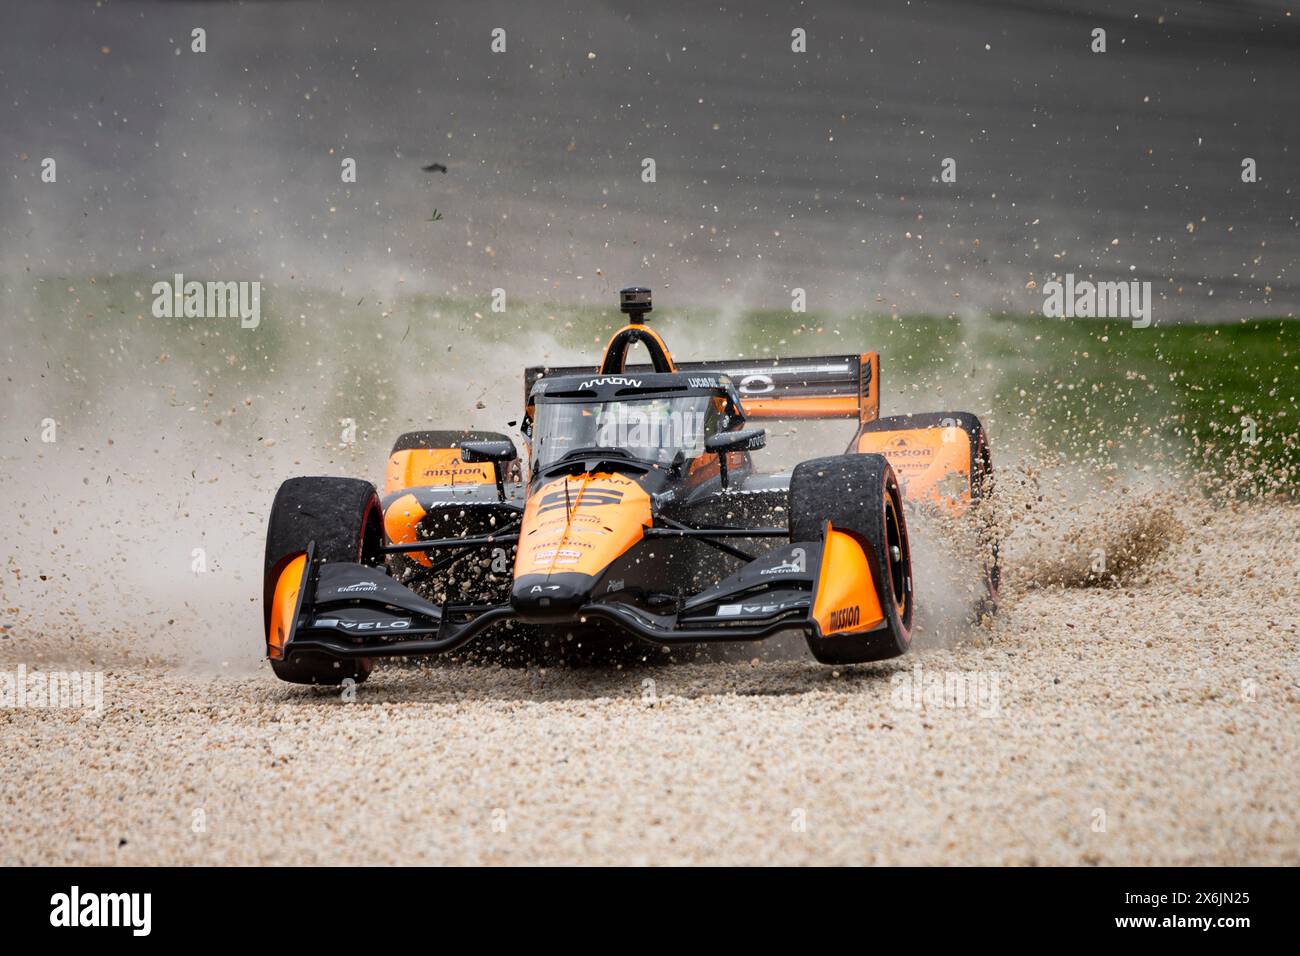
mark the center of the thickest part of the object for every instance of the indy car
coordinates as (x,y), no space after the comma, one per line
(639,507)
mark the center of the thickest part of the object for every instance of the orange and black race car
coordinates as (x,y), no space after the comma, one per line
(638,509)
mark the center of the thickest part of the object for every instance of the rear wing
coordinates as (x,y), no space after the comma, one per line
(822,386)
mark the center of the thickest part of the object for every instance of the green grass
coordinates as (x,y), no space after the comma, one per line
(1089,389)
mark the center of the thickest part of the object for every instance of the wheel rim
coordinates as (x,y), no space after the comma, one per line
(896,556)
(372,536)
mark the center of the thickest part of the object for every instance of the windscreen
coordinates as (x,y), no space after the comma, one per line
(649,429)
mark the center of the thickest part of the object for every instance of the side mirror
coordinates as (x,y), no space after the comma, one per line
(477,452)
(748,439)
(723,443)
(497,452)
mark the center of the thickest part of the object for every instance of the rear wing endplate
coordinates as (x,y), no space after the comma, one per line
(822,386)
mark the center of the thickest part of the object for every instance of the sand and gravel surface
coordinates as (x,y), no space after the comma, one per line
(1155,723)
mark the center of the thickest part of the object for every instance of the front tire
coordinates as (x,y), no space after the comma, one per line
(859,494)
(343,517)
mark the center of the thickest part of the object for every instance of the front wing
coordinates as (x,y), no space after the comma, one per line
(352,610)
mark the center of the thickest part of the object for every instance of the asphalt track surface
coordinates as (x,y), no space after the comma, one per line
(774,170)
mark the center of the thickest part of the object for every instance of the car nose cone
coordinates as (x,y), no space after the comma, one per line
(545,597)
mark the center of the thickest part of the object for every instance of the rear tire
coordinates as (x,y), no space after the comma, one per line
(989,539)
(343,517)
(982,517)
(860,495)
